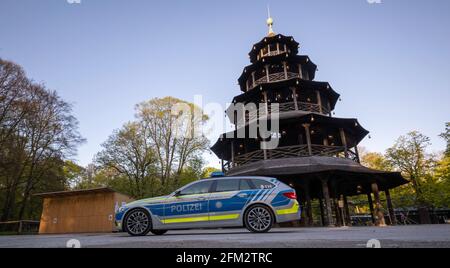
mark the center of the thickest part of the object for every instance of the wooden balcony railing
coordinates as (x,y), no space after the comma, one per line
(289,152)
(287,107)
(275,77)
(273,53)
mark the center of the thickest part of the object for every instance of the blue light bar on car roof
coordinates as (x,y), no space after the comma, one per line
(217,174)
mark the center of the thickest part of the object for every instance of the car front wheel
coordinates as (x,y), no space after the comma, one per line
(158,232)
(258,219)
(138,222)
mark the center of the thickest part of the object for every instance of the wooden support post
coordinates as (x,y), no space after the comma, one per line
(278,48)
(309,219)
(265,154)
(253,80)
(285,70)
(232,154)
(344,141)
(337,212)
(322,213)
(335,199)
(308,137)
(347,212)
(294,97)
(329,109)
(266,101)
(372,212)
(343,213)
(267,73)
(326,196)
(300,74)
(319,101)
(357,154)
(390,207)
(378,208)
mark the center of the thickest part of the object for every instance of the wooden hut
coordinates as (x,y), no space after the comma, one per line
(80,211)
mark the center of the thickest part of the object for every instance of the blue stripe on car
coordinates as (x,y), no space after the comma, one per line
(280,199)
(257,195)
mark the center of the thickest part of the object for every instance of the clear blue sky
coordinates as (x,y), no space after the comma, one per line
(390,61)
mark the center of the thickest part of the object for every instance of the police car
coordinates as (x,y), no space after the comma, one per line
(253,202)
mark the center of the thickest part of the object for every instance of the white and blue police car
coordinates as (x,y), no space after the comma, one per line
(253,202)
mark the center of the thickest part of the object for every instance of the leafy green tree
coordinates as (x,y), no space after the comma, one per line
(409,156)
(446,136)
(129,152)
(156,153)
(441,192)
(402,196)
(73,173)
(207,171)
(174,132)
(376,161)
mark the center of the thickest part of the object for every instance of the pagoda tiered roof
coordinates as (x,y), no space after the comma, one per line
(222,147)
(303,60)
(288,40)
(354,178)
(324,87)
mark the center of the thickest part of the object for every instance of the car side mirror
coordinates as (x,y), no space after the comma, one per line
(177,193)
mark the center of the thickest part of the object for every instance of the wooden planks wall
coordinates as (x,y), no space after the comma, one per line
(84,213)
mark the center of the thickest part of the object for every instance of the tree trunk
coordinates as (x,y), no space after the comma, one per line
(26,196)
(8,207)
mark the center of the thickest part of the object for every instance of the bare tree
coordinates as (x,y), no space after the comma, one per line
(13,98)
(37,131)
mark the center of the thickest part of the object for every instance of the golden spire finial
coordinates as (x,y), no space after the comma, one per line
(270,22)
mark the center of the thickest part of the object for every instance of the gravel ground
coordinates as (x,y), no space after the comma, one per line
(355,237)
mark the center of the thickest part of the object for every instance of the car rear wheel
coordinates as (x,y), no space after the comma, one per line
(158,232)
(258,219)
(138,222)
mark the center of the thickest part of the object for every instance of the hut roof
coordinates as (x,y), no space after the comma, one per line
(77,192)
(320,166)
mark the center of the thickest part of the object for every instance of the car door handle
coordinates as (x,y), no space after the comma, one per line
(201,198)
(243,195)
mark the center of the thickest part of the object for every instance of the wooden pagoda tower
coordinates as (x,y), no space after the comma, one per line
(317,153)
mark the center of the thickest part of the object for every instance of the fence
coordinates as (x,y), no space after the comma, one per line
(20,227)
